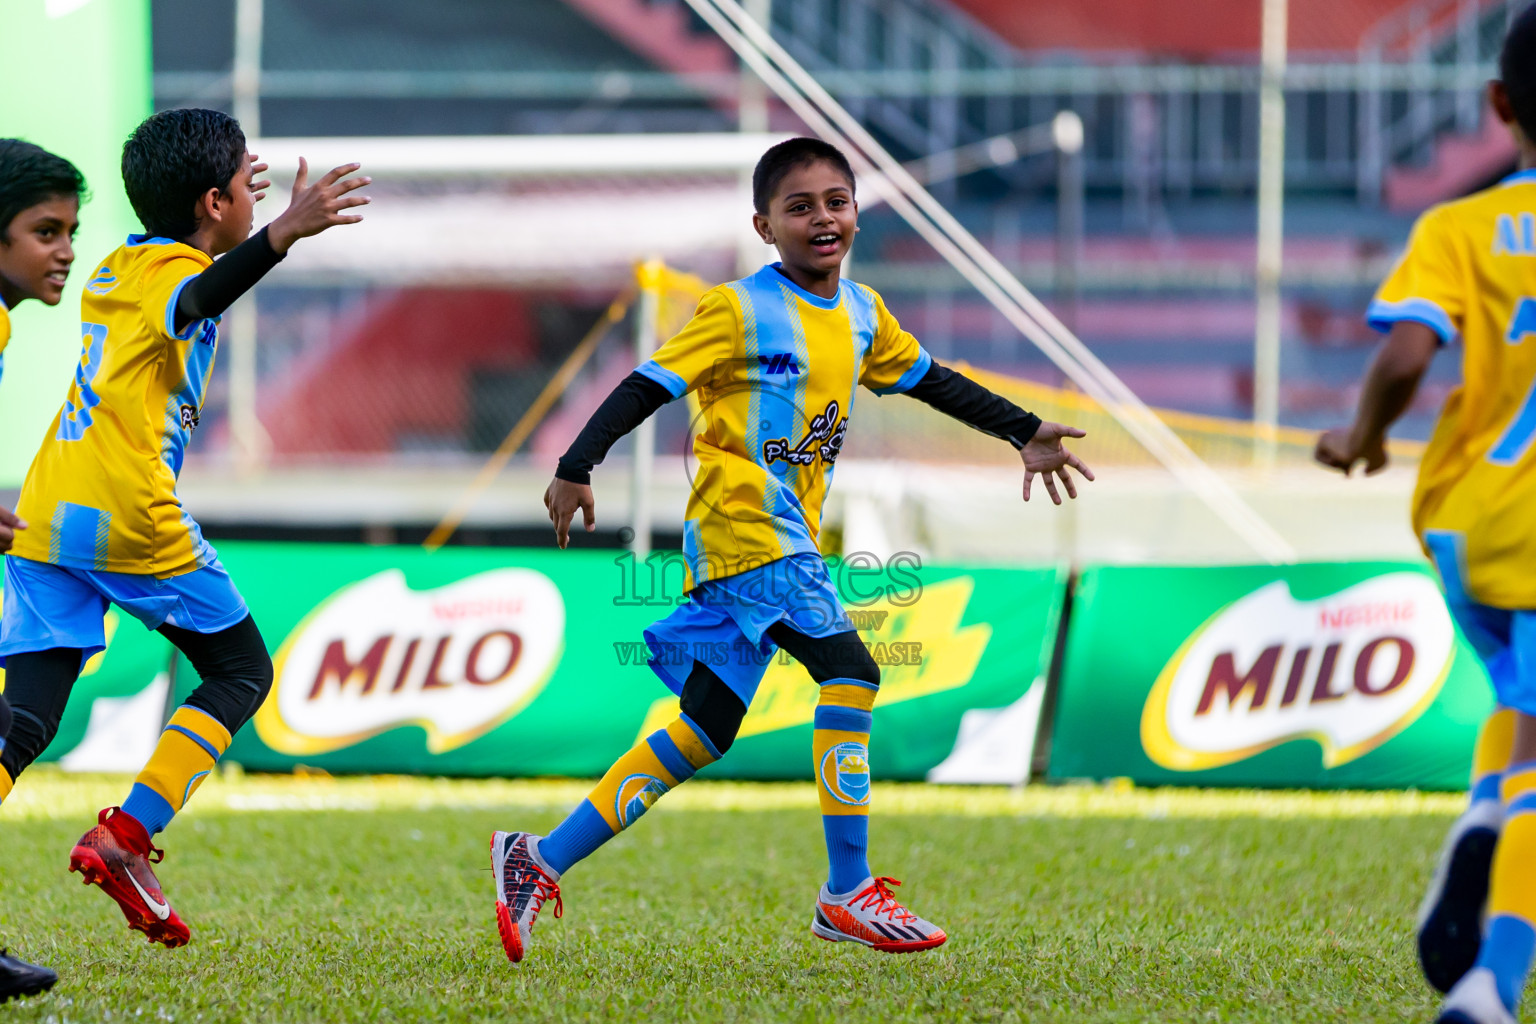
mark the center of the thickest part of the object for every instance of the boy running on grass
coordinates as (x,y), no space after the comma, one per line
(775,359)
(1470,271)
(100,498)
(39,214)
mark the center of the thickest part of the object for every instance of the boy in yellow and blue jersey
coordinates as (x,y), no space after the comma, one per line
(775,360)
(105,524)
(39,215)
(1470,274)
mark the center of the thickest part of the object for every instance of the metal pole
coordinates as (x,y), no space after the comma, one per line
(1067,133)
(246,434)
(753,118)
(1266,339)
(649,275)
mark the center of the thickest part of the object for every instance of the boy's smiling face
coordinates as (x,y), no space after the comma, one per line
(36,254)
(811,219)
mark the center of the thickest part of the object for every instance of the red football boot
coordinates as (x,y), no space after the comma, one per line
(116,855)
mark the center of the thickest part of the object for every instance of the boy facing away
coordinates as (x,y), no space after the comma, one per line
(775,359)
(105,524)
(1470,271)
(39,214)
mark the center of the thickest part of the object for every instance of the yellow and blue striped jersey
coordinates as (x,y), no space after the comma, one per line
(1470,272)
(774,369)
(101,493)
(5,335)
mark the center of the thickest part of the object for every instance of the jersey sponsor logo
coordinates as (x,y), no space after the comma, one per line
(635,795)
(779,362)
(456,661)
(844,773)
(823,439)
(1348,671)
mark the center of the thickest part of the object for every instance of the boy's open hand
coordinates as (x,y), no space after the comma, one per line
(317,207)
(10,522)
(562,498)
(1340,449)
(1045,455)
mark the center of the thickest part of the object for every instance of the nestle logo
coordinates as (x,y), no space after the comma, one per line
(779,362)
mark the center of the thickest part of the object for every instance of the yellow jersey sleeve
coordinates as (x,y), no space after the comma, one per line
(163,281)
(5,335)
(707,344)
(895,361)
(1429,283)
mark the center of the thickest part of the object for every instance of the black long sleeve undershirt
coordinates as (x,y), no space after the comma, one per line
(231,276)
(625,408)
(955,394)
(638,396)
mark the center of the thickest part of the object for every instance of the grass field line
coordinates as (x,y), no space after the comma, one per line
(48,794)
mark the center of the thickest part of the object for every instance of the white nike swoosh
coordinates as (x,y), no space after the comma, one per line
(162,910)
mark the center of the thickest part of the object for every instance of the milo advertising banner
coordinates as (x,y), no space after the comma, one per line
(532,662)
(1343,675)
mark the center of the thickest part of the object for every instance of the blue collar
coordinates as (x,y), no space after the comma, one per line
(149,240)
(1519,176)
(777,274)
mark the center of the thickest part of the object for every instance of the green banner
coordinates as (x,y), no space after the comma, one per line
(1318,676)
(74,79)
(528,662)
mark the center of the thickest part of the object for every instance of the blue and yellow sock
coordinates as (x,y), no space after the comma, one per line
(6,782)
(664,759)
(192,743)
(1509,938)
(840,749)
(1495,741)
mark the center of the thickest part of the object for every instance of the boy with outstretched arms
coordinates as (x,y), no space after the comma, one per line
(1470,273)
(39,214)
(775,360)
(105,524)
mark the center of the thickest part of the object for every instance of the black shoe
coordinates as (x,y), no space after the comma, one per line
(1450,923)
(19,978)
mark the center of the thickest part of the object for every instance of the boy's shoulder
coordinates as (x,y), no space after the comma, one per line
(139,256)
(1510,199)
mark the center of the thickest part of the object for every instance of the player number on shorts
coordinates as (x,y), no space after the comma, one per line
(76,419)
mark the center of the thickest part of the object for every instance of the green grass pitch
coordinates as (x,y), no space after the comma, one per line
(371,900)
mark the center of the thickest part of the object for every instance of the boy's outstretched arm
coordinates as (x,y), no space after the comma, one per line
(1388,389)
(625,408)
(1038,443)
(313,209)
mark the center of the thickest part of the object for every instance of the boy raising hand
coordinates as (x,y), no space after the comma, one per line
(105,524)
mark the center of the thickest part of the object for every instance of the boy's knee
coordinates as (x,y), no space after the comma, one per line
(843,656)
(713,707)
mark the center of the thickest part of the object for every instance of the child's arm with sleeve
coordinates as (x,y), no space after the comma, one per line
(679,366)
(897,364)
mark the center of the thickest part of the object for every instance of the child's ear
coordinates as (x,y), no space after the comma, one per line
(761,226)
(210,205)
(1498,99)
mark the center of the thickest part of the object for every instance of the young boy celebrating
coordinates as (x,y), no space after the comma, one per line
(39,214)
(1470,270)
(105,524)
(775,359)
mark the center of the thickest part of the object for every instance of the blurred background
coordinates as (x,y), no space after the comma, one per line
(528,155)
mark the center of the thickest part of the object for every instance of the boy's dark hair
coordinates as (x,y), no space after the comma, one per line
(1517,69)
(172,159)
(30,175)
(775,165)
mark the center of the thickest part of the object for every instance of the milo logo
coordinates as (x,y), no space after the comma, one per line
(1349,671)
(456,661)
